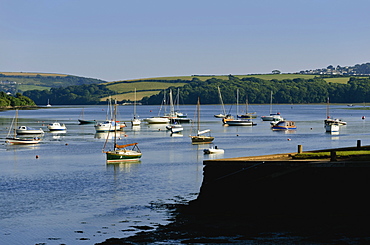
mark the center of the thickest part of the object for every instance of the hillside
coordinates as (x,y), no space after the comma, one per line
(152,86)
(18,82)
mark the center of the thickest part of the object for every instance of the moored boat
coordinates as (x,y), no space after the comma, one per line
(331,127)
(284,125)
(55,126)
(109,125)
(175,128)
(223,111)
(200,138)
(213,150)
(28,130)
(121,152)
(12,138)
(135,121)
(81,121)
(230,121)
(240,122)
(272,116)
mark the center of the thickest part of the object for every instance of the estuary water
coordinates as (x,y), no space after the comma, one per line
(69,195)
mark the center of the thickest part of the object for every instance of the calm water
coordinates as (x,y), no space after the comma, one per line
(70,195)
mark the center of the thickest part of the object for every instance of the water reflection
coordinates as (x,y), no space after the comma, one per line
(109,135)
(176,135)
(123,166)
(58,135)
(11,147)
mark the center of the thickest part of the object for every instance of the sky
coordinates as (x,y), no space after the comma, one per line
(117,40)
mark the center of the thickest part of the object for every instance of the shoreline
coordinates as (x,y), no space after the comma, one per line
(248,208)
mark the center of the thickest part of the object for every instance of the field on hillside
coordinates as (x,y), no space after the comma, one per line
(127,87)
(130,87)
(131,96)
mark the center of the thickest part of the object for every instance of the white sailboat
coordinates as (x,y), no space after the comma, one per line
(331,125)
(158,119)
(247,115)
(272,116)
(135,121)
(12,138)
(223,111)
(200,138)
(230,121)
(110,124)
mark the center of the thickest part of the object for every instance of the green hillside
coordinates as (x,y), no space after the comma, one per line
(152,86)
(15,82)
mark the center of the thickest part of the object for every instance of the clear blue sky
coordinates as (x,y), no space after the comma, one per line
(120,39)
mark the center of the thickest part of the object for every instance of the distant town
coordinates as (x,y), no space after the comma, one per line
(357,70)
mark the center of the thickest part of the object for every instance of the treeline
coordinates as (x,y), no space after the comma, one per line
(362,68)
(71,95)
(15,101)
(257,91)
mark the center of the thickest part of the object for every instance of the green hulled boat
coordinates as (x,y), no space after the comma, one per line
(121,153)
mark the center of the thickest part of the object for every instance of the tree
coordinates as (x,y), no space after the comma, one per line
(276,72)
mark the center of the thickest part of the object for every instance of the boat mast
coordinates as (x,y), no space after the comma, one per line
(135,105)
(115,125)
(271,103)
(237,102)
(327,109)
(172,110)
(198,108)
(222,103)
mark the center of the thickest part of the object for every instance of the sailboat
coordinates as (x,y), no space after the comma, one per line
(223,111)
(330,124)
(110,124)
(158,119)
(200,138)
(237,122)
(12,138)
(247,115)
(179,117)
(120,152)
(135,121)
(272,116)
(83,121)
(48,104)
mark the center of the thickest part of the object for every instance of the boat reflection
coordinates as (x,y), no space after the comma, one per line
(176,135)
(123,166)
(11,147)
(109,135)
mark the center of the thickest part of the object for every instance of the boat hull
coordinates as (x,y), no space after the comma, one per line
(35,131)
(331,128)
(284,125)
(239,123)
(20,141)
(136,122)
(157,120)
(123,155)
(86,121)
(213,151)
(201,139)
(56,127)
(272,118)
